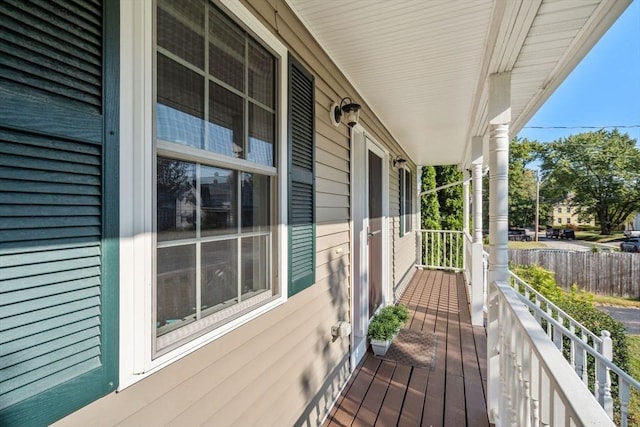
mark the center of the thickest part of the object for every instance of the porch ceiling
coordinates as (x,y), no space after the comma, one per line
(421,66)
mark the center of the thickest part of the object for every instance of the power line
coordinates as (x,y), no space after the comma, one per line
(581,127)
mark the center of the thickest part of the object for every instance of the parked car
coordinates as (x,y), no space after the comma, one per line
(556,233)
(632,233)
(632,244)
(521,234)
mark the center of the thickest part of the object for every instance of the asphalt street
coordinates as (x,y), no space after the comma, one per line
(628,316)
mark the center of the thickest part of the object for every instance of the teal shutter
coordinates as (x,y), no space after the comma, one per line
(302,218)
(401,199)
(58,207)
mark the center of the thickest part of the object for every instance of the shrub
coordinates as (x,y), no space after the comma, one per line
(387,322)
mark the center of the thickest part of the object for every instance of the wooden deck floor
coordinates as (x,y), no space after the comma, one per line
(453,394)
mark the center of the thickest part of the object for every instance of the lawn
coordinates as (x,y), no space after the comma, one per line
(590,236)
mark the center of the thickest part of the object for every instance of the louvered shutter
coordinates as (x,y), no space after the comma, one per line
(401,199)
(58,207)
(302,219)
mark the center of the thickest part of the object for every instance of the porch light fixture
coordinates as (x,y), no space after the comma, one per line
(399,161)
(348,108)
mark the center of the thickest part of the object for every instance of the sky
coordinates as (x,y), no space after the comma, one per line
(603,90)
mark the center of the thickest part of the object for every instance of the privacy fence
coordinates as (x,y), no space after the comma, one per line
(605,273)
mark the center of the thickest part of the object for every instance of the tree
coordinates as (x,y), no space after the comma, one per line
(522,182)
(429,206)
(450,199)
(597,172)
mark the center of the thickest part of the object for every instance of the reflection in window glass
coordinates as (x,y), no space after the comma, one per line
(180,109)
(255,263)
(176,287)
(176,201)
(226,50)
(255,202)
(262,67)
(226,122)
(180,28)
(261,135)
(219,274)
(219,207)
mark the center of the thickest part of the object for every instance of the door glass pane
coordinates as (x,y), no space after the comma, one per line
(219,206)
(176,287)
(219,275)
(375,232)
(176,200)
(255,262)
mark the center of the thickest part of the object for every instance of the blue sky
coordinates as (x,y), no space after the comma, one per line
(603,90)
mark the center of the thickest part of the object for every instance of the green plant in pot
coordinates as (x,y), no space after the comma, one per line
(384,326)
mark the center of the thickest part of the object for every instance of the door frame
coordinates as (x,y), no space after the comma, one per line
(361,143)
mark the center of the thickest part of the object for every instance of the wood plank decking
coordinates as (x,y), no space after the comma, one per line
(453,394)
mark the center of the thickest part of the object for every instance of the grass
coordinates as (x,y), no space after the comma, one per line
(514,244)
(592,236)
(617,301)
(634,369)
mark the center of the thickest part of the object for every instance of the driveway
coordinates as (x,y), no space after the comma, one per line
(628,316)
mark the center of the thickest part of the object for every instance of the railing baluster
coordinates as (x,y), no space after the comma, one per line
(623,393)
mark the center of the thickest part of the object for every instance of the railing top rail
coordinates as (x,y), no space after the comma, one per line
(566,382)
(585,346)
(519,280)
(442,231)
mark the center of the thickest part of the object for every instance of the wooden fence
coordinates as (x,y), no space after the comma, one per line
(604,273)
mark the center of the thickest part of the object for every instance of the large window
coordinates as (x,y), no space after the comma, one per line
(406,206)
(216,171)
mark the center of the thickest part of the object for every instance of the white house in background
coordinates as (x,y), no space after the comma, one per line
(186,213)
(632,227)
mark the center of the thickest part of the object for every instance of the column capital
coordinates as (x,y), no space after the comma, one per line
(500,98)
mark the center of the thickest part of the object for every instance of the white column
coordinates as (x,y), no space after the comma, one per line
(499,119)
(478,285)
(476,173)
(465,201)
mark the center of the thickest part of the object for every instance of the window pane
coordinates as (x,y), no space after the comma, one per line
(176,200)
(226,122)
(180,109)
(262,66)
(261,135)
(219,207)
(180,28)
(255,202)
(226,50)
(219,275)
(176,287)
(255,262)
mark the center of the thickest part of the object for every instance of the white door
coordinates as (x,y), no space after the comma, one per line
(369,212)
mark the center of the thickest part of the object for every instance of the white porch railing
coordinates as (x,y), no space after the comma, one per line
(576,343)
(442,249)
(528,341)
(532,382)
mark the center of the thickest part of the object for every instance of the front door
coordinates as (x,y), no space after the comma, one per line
(369,211)
(374,234)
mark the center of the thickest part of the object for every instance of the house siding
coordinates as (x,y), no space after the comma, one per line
(283,368)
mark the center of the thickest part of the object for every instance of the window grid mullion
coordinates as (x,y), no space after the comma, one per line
(239,225)
(205,143)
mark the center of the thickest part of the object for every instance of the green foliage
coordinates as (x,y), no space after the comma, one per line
(429,206)
(580,305)
(387,322)
(599,170)
(522,182)
(450,199)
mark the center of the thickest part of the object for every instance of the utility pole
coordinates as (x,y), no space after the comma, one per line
(537,222)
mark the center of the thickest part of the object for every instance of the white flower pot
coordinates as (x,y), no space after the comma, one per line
(380,347)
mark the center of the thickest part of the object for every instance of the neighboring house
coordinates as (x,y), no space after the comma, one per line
(633,224)
(184,217)
(564,214)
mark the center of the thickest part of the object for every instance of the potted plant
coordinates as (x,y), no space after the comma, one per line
(384,326)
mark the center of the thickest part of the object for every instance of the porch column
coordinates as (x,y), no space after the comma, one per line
(465,201)
(478,285)
(499,119)
(419,260)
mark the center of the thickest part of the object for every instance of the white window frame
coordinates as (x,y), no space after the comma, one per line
(137,186)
